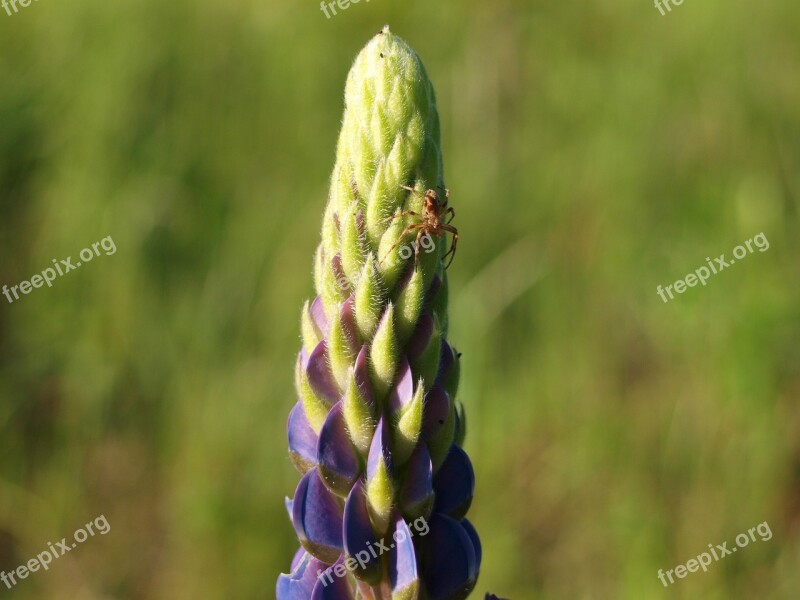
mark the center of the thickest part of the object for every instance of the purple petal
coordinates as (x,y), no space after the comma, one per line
(300,583)
(454,484)
(317,518)
(380,450)
(403,573)
(338,269)
(298,557)
(416,495)
(302,439)
(319,374)
(420,338)
(361,373)
(404,279)
(476,541)
(333,584)
(433,289)
(449,565)
(302,359)
(437,411)
(359,536)
(338,459)
(317,314)
(403,391)
(446,362)
(348,318)
(289,504)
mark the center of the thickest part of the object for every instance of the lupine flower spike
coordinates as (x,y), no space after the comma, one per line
(377,432)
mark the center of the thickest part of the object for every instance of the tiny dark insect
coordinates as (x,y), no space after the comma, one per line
(431,221)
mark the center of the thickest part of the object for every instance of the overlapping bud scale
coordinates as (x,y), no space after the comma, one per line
(377,432)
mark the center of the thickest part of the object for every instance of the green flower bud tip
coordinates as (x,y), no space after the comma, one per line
(384,354)
(409,425)
(369,299)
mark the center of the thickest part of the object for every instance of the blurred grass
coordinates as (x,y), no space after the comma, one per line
(593,152)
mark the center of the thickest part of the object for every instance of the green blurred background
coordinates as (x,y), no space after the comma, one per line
(593,152)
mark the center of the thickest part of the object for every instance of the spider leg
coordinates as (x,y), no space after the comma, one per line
(450,228)
(400,214)
(410,189)
(452,251)
(452,213)
(408,229)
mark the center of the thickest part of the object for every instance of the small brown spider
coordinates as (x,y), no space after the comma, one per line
(431,222)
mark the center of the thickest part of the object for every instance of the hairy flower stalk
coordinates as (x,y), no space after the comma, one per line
(377,432)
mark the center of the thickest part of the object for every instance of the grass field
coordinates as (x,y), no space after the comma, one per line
(594,151)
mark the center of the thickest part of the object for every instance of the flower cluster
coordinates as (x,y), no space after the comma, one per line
(377,432)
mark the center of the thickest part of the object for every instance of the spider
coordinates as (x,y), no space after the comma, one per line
(431,222)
